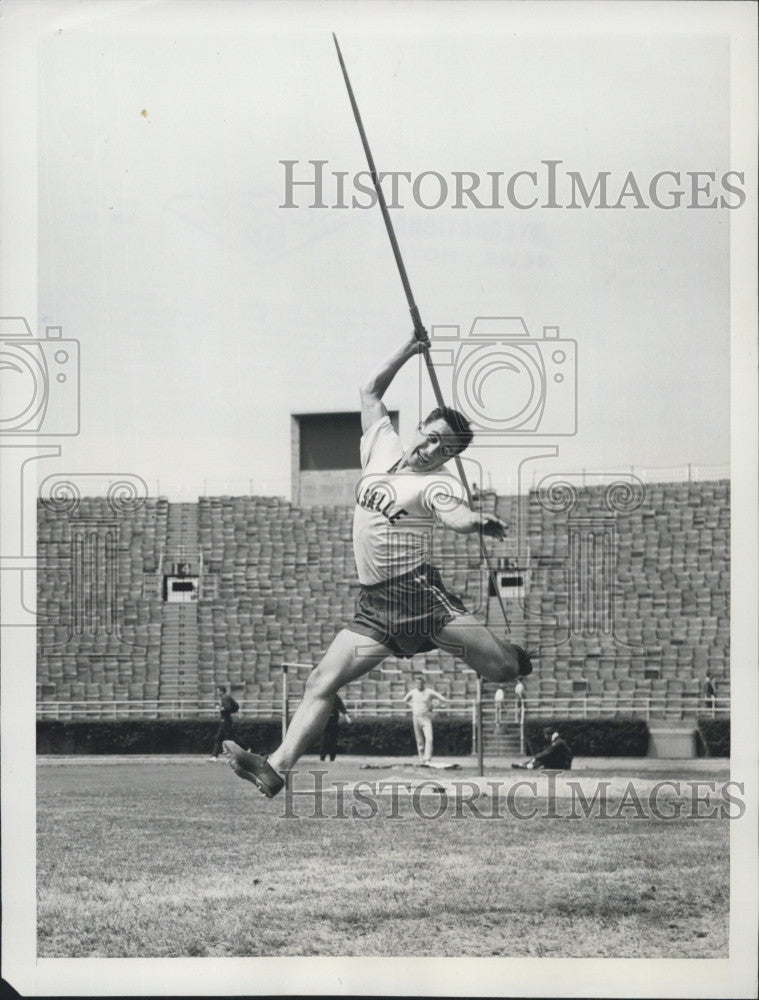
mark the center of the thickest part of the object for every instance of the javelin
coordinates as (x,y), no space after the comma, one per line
(419,330)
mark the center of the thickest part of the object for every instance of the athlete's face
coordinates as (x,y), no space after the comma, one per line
(433,445)
(420,683)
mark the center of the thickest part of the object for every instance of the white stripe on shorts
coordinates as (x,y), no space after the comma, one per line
(441,596)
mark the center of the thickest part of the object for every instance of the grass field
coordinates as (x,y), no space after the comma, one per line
(183,859)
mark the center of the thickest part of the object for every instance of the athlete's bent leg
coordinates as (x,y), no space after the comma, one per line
(419,737)
(466,637)
(350,656)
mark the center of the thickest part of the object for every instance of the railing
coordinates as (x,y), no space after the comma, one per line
(566,707)
(384,707)
(511,712)
(165,708)
(182,492)
(622,704)
(688,473)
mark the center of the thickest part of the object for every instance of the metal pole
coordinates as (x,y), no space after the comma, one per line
(480,748)
(419,329)
(285,719)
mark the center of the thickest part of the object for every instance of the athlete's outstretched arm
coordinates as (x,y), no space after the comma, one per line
(464,520)
(372,407)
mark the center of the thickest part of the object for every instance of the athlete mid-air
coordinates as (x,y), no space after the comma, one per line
(403,607)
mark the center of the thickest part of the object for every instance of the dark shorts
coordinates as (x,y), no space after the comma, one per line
(406,612)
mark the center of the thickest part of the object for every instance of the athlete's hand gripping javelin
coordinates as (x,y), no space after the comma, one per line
(493,526)
(421,336)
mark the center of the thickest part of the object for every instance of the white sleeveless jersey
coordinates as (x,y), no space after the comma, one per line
(395,511)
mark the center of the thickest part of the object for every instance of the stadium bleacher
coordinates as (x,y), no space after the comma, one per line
(98,634)
(623,604)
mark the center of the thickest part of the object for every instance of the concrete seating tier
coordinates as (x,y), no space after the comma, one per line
(98,638)
(279,582)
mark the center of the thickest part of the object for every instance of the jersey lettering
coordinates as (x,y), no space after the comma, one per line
(375,500)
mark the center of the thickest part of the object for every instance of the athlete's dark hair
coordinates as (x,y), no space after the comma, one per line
(457,422)
(221,688)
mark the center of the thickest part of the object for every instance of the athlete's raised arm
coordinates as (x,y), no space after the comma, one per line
(464,520)
(372,407)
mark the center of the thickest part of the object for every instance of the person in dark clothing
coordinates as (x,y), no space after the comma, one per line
(329,736)
(710,691)
(555,756)
(227,707)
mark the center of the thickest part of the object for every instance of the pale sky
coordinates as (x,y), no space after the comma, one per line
(207,314)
